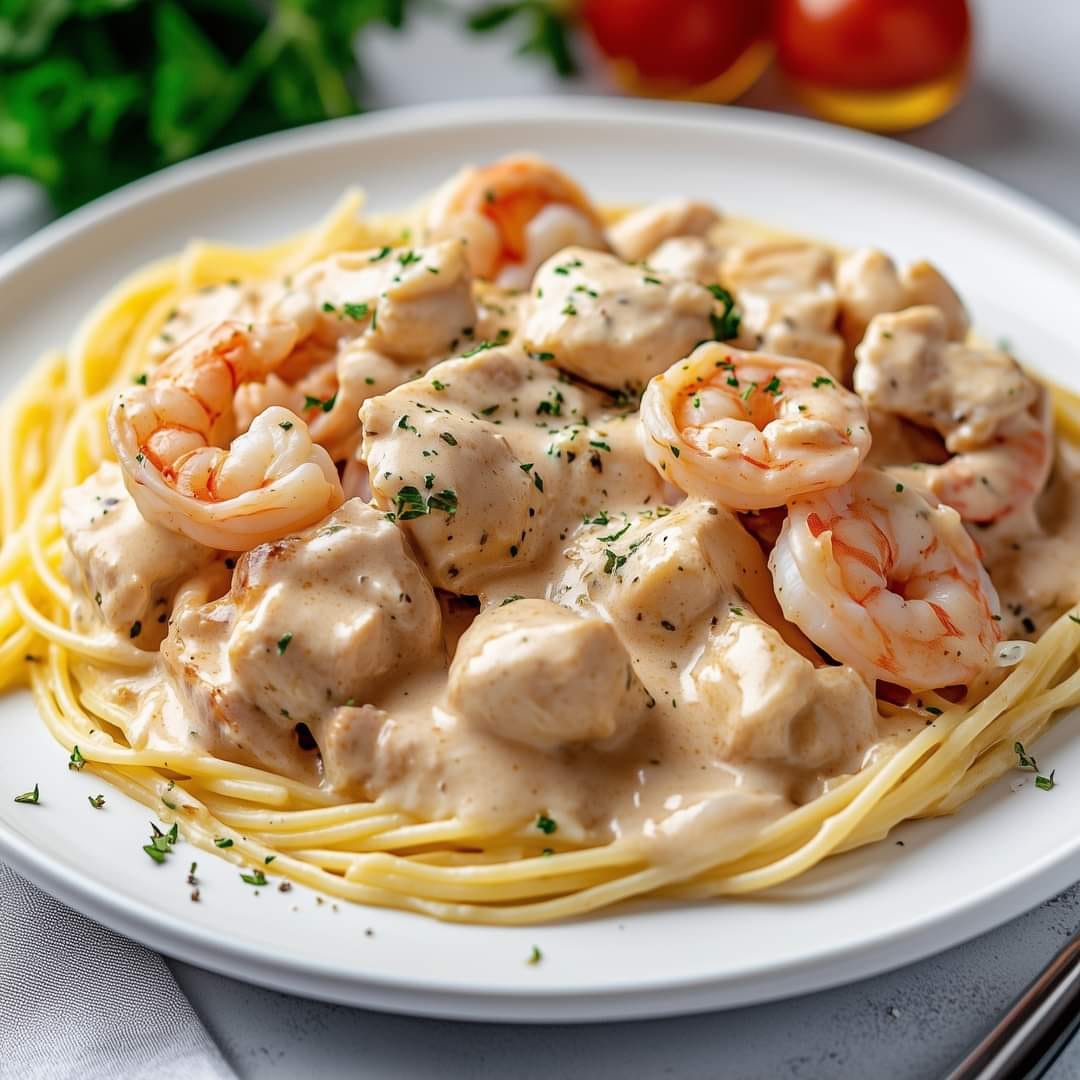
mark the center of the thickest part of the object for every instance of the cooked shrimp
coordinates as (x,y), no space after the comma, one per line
(993,417)
(1002,478)
(168,437)
(750,430)
(513,214)
(887,580)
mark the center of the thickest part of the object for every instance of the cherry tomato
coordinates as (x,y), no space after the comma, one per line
(686,42)
(871,44)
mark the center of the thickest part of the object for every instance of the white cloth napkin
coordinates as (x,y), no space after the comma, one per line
(78,1002)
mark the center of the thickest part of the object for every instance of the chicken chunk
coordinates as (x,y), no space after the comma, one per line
(536,673)
(785,294)
(868,284)
(325,619)
(908,366)
(641,232)
(484,458)
(614,324)
(772,704)
(124,569)
(411,304)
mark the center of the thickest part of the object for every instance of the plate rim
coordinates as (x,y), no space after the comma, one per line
(411,993)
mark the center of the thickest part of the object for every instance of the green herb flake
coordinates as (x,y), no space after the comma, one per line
(822,380)
(283,643)
(546,824)
(448,438)
(96,801)
(32,797)
(355,311)
(256,877)
(535,956)
(223,842)
(380,254)
(76,762)
(286,425)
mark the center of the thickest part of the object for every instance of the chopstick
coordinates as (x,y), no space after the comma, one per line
(1038,1026)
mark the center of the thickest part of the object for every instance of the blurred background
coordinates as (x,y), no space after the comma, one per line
(95,93)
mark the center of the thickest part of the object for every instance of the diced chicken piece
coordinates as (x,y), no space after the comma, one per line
(536,673)
(320,621)
(124,569)
(687,257)
(614,324)
(696,580)
(772,704)
(868,284)
(480,458)
(642,231)
(411,303)
(908,366)
(209,306)
(785,294)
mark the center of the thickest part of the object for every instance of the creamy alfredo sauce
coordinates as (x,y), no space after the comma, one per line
(516,620)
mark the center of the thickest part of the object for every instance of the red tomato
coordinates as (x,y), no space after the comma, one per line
(871,44)
(684,41)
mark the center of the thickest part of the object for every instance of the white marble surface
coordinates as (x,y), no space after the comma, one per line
(1021,123)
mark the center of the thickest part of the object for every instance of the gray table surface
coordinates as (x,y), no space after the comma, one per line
(1020,122)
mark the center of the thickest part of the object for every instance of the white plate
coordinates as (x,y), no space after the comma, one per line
(1011,848)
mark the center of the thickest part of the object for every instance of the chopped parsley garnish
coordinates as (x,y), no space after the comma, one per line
(97,599)
(269,859)
(551,406)
(161,842)
(29,796)
(76,762)
(380,254)
(651,280)
(283,643)
(615,535)
(599,444)
(96,801)
(141,379)
(136,629)
(223,842)
(899,487)
(725,325)
(1026,761)
(674,450)
(448,438)
(933,710)
(256,877)
(546,825)
(311,402)
(409,503)
(535,956)
(354,311)
(738,611)
(286,425)
(1075,619)
(445,501)
(568,309)
(822,380)
(772,387)
(510,599)
(600,519)
(328,307)
(438,384)
(489,410)
(408,257)
(748,391)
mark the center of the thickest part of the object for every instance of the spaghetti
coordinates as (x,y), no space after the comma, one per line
(53,436)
